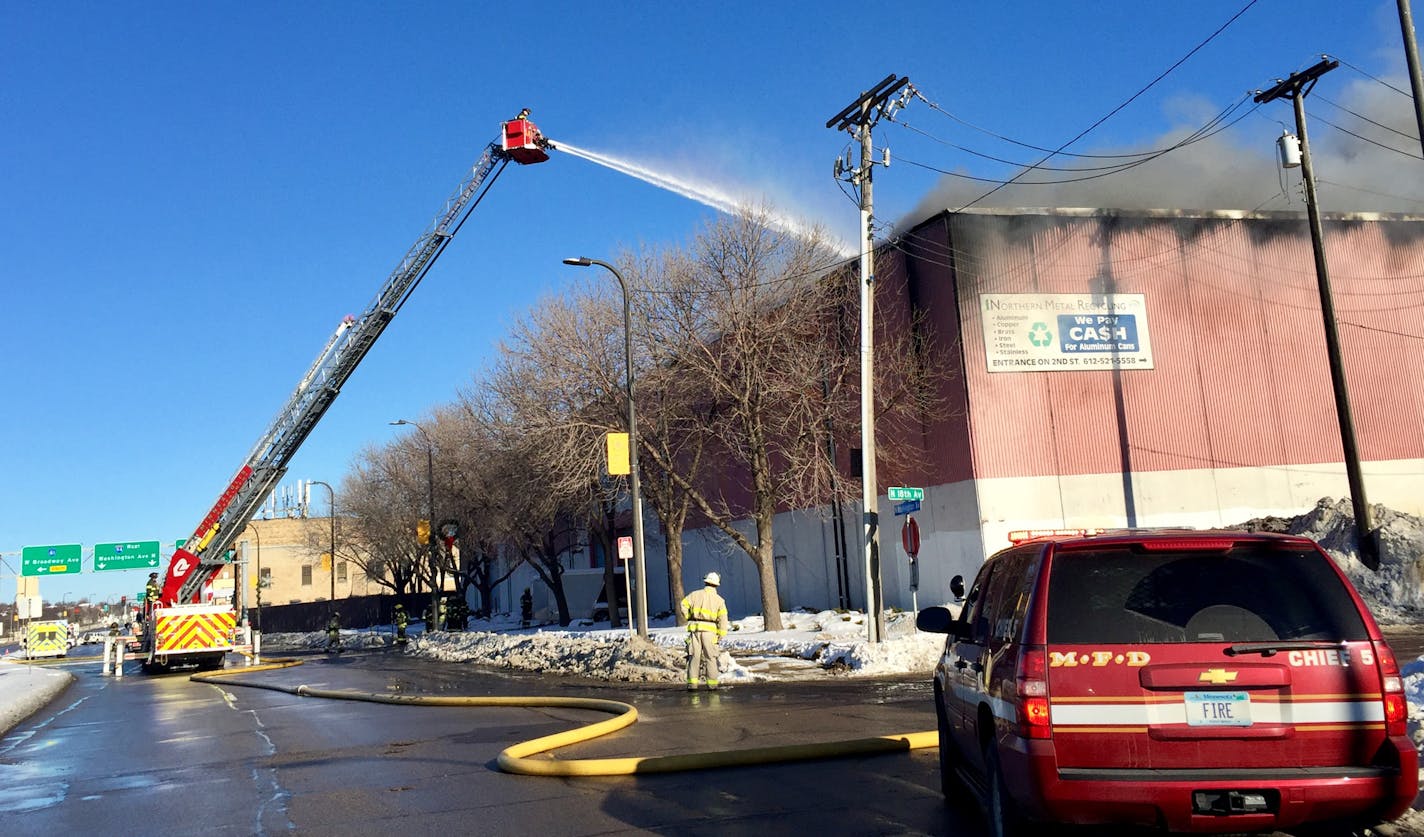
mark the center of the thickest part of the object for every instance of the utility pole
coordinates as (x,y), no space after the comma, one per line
(859,117)
(1296,88)
(1411,56)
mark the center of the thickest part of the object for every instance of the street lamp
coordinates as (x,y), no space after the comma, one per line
(332,493)
(430,520)
(639,575)
(258,535)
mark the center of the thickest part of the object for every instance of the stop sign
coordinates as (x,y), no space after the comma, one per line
(910,537)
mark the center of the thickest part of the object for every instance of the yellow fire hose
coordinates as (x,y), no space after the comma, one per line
(516,759)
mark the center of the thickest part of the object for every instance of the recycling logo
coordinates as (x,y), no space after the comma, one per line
(1039,335)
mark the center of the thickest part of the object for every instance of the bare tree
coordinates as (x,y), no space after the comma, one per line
(560,381)
(752,323)
(477,500)
(378,503)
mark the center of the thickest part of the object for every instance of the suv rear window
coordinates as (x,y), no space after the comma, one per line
(1252,593)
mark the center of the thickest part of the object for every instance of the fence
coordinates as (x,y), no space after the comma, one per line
(356,612)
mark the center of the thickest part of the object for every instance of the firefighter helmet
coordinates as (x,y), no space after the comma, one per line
(713,579)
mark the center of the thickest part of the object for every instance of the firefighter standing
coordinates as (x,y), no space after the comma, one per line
(151,592)
(457,614)
(333,632)
(401,622)
(526,608)
(706,615)
(434,618)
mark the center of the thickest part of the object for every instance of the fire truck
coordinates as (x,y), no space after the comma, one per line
(182,629)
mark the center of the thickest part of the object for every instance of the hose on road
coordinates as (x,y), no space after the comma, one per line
(518,758)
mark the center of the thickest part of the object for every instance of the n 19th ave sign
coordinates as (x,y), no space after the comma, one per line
(60,559)
(132,555)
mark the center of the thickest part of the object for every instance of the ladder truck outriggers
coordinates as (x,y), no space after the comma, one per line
(183,630)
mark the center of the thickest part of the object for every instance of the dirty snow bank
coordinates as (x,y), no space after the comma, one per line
(830,641)
(1394,593)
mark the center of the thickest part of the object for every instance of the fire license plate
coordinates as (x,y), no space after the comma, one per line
(1218,709)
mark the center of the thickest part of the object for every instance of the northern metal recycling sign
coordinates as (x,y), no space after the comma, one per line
(1065,332)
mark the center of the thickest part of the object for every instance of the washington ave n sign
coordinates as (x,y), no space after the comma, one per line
(133,555)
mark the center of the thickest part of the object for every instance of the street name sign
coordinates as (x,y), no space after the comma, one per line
(130,555)
(60,559)
(907,507)
(901,493)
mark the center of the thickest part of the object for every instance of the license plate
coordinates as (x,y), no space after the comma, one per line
(1218,709)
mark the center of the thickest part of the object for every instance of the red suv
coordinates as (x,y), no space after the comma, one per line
(1193,681)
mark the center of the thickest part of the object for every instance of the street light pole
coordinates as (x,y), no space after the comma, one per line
(634,488)
(430,520)
(332,493)
(258,535)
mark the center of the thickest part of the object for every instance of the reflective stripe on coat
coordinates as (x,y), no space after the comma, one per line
(704,610)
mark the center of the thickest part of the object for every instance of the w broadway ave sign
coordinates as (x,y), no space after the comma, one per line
(61,559)
(138,555)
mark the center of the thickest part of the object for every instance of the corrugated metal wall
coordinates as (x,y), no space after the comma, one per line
(1240,375)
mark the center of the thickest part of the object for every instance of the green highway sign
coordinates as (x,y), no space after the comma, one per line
(131,555)
(61,559)
(901,493)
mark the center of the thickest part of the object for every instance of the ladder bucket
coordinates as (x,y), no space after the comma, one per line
(523,142)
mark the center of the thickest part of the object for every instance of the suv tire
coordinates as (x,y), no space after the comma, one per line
(951,783)
(999,813)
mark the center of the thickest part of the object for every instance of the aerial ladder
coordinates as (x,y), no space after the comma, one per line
(183,630)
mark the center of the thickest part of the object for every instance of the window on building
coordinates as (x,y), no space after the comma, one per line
(265,577)
(307,575)
(341,572)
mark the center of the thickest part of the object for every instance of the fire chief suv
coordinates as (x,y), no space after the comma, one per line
(1194,681)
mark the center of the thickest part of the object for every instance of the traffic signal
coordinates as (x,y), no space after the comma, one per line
(422,531)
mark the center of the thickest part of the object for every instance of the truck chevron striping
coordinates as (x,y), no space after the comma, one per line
(193,631)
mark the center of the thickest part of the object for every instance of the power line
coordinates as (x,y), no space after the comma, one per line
(1129,100)
(1418,200)
(1364,118)
(1200,133)
(1375,79)
(1320,118)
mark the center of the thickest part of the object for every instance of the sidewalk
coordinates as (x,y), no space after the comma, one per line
(25,689)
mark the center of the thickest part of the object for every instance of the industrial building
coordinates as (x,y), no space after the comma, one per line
(1123,369)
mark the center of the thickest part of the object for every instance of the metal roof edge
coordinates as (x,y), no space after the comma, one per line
(1223,214)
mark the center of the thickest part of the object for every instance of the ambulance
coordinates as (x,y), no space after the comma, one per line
(46,639)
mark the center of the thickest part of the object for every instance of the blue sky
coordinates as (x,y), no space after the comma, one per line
(196,194)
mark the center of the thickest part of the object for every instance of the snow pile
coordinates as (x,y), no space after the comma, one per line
(1394,593)
(828,641)
(835,640)
(620,657)
(317,640)
(1413,673)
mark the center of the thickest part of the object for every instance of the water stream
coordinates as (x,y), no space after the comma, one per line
(703,193)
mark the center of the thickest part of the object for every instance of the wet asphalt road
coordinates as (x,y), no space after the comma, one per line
(165,755)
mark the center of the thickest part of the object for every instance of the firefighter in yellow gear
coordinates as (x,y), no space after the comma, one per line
(402,620)
(333,632)
(706,615)
(151,592)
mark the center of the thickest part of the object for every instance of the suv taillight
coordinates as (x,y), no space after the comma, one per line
(1032,680)
(1396,708)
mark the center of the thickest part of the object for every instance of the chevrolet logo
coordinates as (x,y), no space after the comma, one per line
(1217,676)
